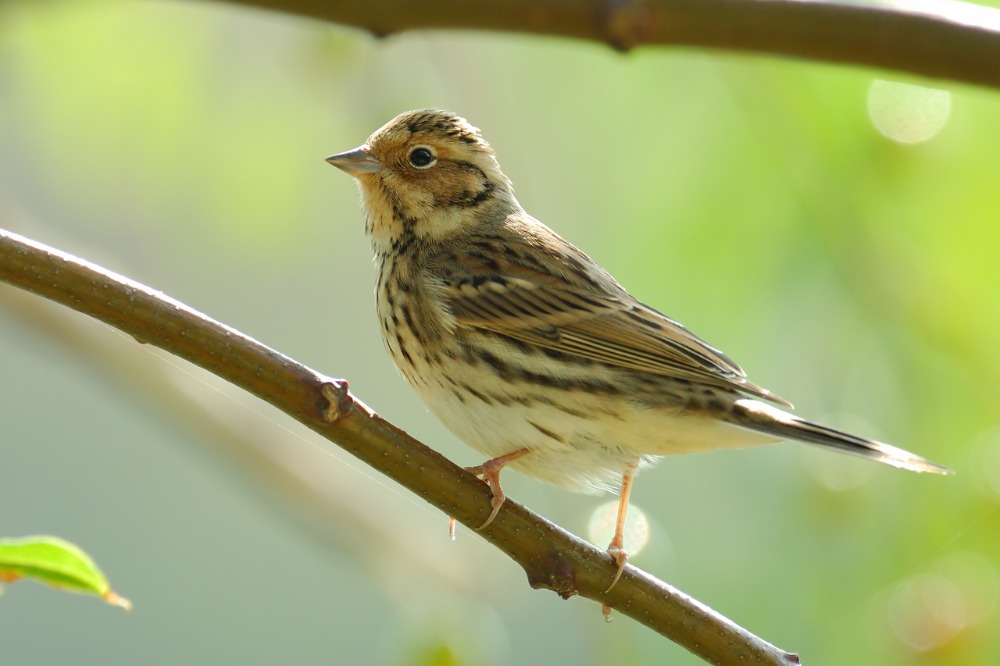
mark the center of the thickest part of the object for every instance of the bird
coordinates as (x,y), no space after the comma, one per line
(526,348)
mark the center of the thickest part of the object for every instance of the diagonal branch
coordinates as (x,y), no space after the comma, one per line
(552,558)
(936,38)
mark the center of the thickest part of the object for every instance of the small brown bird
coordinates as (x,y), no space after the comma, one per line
(527,349)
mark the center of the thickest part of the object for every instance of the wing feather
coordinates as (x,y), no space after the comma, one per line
(584,316)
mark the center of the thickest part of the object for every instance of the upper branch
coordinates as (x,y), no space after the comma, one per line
(935,38)
(552,558)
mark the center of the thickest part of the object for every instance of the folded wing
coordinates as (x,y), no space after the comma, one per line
(571,312)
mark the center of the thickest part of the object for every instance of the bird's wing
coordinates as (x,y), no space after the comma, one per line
(572,312)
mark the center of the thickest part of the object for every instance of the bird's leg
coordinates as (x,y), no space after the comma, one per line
(616,549)
(490,473)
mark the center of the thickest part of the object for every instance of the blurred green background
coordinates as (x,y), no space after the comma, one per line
(753,199)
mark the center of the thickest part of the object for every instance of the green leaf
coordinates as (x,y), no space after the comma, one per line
(58,563)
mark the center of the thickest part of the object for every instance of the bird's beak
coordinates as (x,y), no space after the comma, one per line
(356,162)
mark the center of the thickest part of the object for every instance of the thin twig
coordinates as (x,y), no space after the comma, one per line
(552,558)
(936,38)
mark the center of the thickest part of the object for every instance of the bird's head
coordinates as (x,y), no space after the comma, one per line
(426,176)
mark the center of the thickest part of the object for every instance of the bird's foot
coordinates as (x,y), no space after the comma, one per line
(489,471)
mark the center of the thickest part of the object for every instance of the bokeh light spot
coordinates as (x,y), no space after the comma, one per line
(601,526)
(906,113)
(930,610)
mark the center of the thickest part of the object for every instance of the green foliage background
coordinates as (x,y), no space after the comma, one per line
(181,144)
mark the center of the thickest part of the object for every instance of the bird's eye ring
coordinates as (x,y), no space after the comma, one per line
(422,157)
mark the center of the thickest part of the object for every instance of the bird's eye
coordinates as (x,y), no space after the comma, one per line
(422,158)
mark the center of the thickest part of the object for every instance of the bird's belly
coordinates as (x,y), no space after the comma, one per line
(579,440)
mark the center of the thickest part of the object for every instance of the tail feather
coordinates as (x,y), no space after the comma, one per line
(756,415)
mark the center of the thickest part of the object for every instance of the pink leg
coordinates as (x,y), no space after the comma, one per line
(616,549)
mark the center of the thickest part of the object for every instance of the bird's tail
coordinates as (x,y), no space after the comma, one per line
(761,417)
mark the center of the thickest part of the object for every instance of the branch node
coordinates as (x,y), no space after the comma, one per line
(338,398)
(553,574)
(626,23)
